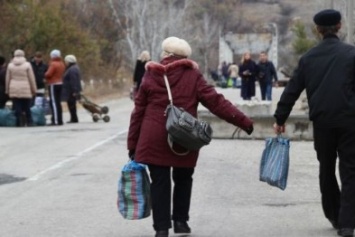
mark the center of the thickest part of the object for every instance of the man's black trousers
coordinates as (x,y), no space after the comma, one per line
(330,143)
(161,195)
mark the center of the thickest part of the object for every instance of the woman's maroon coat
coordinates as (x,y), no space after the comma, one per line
(147,134)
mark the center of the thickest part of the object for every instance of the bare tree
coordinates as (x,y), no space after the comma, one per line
(146,23)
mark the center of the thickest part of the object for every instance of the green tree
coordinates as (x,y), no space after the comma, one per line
(45,25)
(302,42)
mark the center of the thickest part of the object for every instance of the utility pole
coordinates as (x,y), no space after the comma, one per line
(274,52)
(350,31)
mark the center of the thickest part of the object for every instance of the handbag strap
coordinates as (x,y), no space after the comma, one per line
(170,141)
(169,90)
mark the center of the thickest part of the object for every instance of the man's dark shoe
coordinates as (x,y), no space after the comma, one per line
(162,233)
(346,232)
(181,227)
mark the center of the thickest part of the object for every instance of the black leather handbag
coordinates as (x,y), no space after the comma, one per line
(184,129)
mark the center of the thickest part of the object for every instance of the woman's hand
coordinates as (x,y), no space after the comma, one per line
(131,154)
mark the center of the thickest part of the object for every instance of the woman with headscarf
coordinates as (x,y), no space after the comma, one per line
(54,79)
(147,137)
(21,86)
(71,86)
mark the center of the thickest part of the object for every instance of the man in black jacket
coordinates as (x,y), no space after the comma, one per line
(3,96)
(266,74)
(327,72)
(39,69)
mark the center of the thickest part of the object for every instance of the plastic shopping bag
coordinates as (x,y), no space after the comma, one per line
(43,102)
(134,192)
(38,116)
(7,118)
(274,163)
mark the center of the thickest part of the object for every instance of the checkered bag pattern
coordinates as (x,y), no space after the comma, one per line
(275,161)
(134,192)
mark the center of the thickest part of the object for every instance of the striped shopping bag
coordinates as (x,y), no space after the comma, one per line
(275,162)
(134,192)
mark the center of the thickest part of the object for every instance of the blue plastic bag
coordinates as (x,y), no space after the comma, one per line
(275,161)
(7,118)
(38,116)
(134,201)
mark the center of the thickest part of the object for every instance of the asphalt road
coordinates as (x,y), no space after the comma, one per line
(62,182)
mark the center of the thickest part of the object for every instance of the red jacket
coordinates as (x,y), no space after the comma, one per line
(147,133)
(55,72)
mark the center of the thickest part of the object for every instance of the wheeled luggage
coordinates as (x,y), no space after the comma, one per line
(97,112)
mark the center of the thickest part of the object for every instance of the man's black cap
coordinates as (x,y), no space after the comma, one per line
(329,17)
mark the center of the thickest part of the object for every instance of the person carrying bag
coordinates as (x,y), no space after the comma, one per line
(148,131)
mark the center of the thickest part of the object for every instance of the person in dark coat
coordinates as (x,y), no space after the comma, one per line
(71,86)
(3,96)
(147,136)
(140,69)
(39,69)
(327,72)
(266,74)
(225,71)
(247,71)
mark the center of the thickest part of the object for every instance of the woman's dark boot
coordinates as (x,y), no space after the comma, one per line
(181,227)
(162,233)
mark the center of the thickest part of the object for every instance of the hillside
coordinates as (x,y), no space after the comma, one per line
(255,16)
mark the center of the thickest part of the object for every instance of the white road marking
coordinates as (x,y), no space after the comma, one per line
(76,157)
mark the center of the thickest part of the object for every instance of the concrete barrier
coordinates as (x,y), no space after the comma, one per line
(298,127)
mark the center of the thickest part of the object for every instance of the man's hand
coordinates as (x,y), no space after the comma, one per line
(279,129)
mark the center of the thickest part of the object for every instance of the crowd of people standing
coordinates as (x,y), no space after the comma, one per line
(251,72)
(24,81)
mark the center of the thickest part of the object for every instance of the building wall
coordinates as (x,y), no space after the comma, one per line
(233,46)
(225,52)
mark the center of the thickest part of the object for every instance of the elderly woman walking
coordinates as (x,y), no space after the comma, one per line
(21,86)
(71,86)
(147,137)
